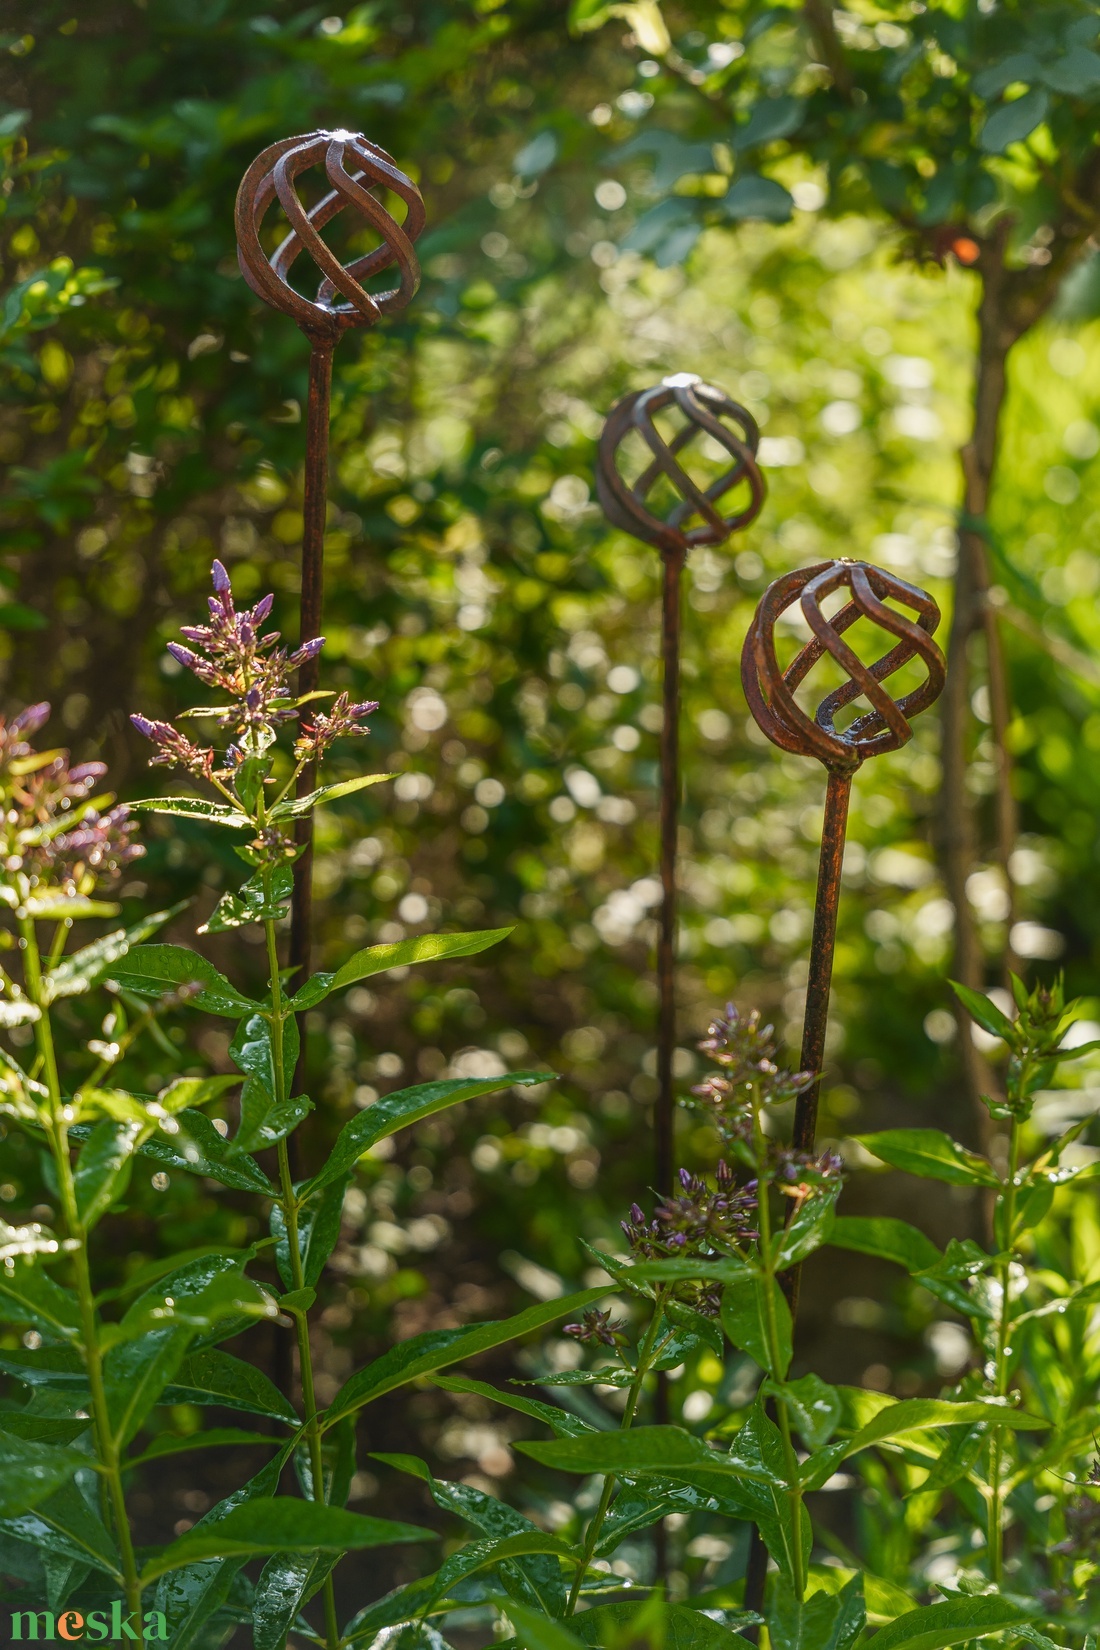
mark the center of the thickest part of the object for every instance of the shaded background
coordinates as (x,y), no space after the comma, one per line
(151,419)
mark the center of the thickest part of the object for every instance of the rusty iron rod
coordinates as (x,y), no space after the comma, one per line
(353,166)
(770,694)
(694,519)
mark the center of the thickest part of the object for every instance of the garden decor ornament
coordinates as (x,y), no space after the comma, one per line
(354,167)
(694,520)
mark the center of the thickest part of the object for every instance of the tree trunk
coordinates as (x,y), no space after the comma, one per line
(973,613)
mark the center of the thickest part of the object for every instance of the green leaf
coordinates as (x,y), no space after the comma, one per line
(424,1354)
(62,908)
(102,1171)
(918,1414)
(136,1371)
(824,1621)
(288,1581)
(251,903)
(197,1147)
(655,1622)
(61,1367)
(83,969)
(931,1154)
(649,1449)
(319,1218)
(29,1472)
(376,959)
(405,1106)
(809,1229)
(813,1406)
(273,1526)
(216,1377)
(295,807)
(1074,74)
(190,1597)
(993,80)
(934,1626)
(29,1295)
(985,1011)
(1013,122)
(745,1318)
(195,807)
(154,970)
(170,1443)
(755,197)
(64,1523)
(886,1237)
(771,118)
(535,1580)
(228,1294)
(538,1631)
(560,1422)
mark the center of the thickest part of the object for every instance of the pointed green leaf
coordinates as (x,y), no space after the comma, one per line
(154,970)
(294,807)
(169,1443)
(424,1354)
(103,1168)
(376,959)
(81,970)
(886,1237)
(985,1011)
(319,1218)
(405,1106)
(29,1472)
(287,1581)
(195,807)
(931,1154)
(918,1414)
(749,1309)
(216,1377)
(535,1630)
(935,1626)
(1013,122)
(275,1525)
(29,1295)
(560,1421)
(64,1523)
(809,1229)
(825,1621)
(654,1621)
(196,1146)
(813,1405)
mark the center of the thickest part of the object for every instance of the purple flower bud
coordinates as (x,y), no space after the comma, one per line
(636,1214)
(262,608)
(143,725)
(248,635)
(183,655)
(31,718)
(685,1180)
(86,771)
(220,577)
(253,698)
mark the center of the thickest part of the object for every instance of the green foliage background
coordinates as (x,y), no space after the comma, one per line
(151,420)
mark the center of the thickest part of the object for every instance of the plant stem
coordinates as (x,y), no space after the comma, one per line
(1000,1376)
(288,1200)
(106,1445)
(645,1358)
(778,1368)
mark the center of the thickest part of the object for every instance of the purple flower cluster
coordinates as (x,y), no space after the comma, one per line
(323,729)
(232,653)
(597,1329)
(699,1219)
(746,1052)
(40,790)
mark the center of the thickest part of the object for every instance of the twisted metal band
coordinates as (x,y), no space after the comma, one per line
(354,167)
(770,690)
(704,409)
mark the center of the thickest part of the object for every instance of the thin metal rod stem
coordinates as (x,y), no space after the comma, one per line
(822,947)
(313,562)
(815,1024)
(664,1120)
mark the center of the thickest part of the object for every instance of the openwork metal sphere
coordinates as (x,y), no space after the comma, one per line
(696,519)
(354,166)
(770,690)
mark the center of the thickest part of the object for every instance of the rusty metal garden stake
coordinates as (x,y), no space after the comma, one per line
(353,167)
(770,692)
(703,409)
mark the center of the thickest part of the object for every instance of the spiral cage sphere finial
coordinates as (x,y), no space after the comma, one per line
(706,411)
(770,690)
(353,166)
